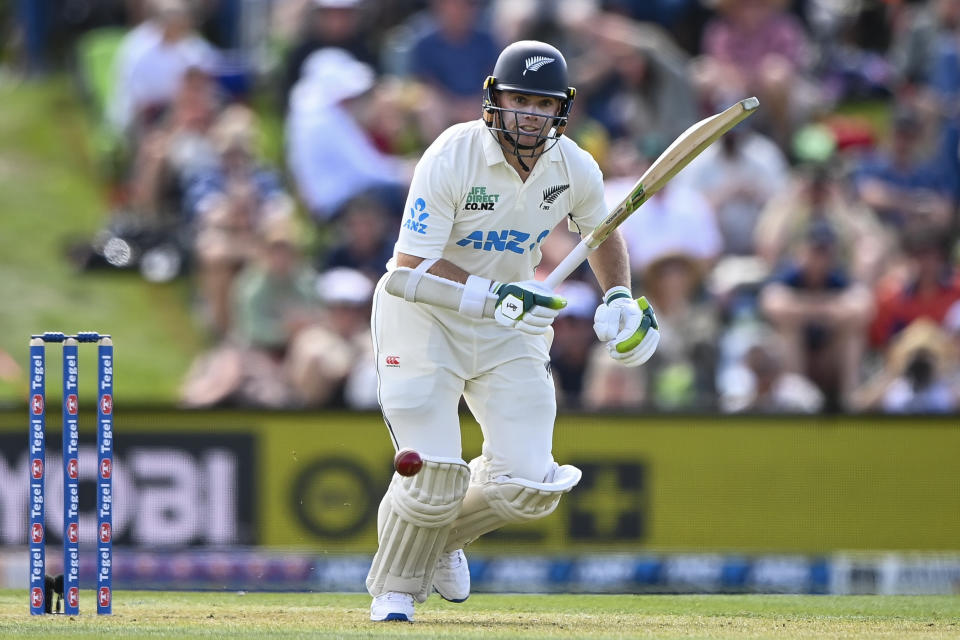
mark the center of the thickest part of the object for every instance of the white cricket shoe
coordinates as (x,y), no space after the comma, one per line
(452,576)
(392,605)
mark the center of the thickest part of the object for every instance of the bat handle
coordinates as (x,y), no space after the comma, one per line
(569,264)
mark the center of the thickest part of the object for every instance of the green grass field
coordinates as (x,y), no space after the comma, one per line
(51,193)
(146,614)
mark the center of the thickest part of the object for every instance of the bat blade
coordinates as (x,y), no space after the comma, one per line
(679,154)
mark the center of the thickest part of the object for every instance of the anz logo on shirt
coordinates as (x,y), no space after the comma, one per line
(503,240)
(415,221)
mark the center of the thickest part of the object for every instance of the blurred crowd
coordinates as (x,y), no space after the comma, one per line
(807,262)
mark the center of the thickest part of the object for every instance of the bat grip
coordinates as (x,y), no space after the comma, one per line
(569,264)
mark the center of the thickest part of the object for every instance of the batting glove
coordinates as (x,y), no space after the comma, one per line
(529,306)
(628,326)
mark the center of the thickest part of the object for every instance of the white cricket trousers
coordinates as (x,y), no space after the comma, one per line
(428,357)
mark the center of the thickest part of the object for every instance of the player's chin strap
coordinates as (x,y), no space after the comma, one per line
(410,291)
(517,146)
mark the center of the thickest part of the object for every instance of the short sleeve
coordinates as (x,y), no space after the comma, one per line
(589,207)
(430,208)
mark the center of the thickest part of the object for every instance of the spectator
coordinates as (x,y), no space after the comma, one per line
(607,385)
(917,375)
(951,324)
(816,194)
(364,239)
(739,174)
(453,57)
(573,341)
(176,149)
(229,205)
(329,153)
(328,23)
(544,20)
(924,28)
(151,63)
(682,376)
(821,315)
(851,41)
(926,287)
(670,14)
(331,362)
(755,47)
(274,298)
(634,82)
(901,184)
(762,383)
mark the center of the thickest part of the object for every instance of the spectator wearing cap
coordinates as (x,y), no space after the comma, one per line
(151,63)
(329,152)
(331,363)
(228,205)
(903,183)
(327,23)
(820,314)
(926,287)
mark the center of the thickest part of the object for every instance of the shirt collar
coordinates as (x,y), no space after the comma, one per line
(491,148)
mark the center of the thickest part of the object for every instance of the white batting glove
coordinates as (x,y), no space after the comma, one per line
(528,306)
(628,326)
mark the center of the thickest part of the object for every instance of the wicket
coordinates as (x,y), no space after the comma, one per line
(71,471)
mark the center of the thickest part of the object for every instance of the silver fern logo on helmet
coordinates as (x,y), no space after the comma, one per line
(534,63)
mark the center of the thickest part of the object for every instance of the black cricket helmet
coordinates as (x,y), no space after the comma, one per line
(531,67)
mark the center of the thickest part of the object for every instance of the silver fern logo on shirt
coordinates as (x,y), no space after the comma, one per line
(533,63)
(551,194)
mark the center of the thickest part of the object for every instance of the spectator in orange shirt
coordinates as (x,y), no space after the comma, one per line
(927,288)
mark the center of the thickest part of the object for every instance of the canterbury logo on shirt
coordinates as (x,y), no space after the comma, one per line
(551,194)
(534,63)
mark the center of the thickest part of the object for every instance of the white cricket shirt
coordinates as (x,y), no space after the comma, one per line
(467,205)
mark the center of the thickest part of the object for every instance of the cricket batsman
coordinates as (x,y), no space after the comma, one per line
(483,198)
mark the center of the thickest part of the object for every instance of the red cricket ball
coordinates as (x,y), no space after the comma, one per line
(407,462)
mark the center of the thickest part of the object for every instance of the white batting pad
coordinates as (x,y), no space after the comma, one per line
(491,503)
(414,519)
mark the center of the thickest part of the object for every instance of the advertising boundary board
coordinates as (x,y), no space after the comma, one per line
(313,480)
